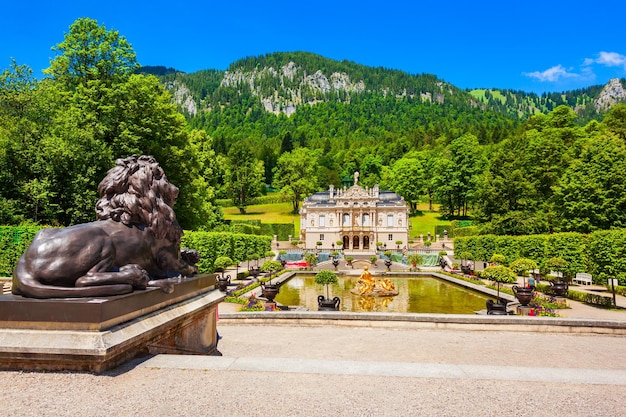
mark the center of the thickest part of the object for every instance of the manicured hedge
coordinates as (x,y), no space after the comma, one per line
(588,298)
(237,246)
(15,239)
(256,227)
(602,253)
(13,243)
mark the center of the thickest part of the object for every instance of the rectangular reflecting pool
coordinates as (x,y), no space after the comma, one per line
(417,294)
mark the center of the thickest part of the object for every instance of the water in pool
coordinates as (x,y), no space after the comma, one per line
(417,294)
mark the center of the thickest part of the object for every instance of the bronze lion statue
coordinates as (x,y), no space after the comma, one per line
(133,244)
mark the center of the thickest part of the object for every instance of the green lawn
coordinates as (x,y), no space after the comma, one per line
(281,213)
(426,221)
(267,213)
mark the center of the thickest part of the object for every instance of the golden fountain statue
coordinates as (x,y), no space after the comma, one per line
(370,287)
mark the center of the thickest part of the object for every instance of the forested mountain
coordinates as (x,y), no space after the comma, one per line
(313,99)
(283,82)
(284,100)
(588,103)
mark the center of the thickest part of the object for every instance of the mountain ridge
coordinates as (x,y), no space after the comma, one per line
(285,81)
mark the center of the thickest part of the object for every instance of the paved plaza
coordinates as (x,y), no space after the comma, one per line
(317,371)
(302,368)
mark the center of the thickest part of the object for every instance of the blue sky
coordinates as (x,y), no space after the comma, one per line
(531,45)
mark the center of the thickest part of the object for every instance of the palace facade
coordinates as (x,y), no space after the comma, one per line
(359,217)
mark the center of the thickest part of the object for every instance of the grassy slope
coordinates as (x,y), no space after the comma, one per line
(281,213)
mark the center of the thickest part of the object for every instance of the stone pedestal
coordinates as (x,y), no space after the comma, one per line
(523,310)
(97,334)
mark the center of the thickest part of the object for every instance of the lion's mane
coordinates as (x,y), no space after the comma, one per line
(136,192)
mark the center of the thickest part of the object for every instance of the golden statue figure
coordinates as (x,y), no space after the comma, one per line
(370,287)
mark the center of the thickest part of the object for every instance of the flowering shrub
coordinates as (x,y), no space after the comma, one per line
(253,304)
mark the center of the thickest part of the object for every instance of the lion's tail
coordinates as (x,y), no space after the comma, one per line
(28,286)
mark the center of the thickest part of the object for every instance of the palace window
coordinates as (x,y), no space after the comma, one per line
(390,220)
(346,219)
(322,236)
(366,220)
(322,220)
(390,237)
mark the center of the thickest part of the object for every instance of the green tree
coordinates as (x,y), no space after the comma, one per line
(592,191)
(89,53)
(104,112)
(406,177)
(615,120)
(296,175)
(244,175)
(458,174)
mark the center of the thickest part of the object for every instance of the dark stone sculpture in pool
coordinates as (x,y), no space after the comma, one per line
(133,244)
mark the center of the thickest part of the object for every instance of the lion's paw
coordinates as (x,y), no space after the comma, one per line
(138,276)
(166,284)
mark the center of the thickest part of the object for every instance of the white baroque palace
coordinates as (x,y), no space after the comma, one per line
(359,217)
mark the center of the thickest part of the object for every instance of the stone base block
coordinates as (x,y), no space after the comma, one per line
(187,326)
(524,311)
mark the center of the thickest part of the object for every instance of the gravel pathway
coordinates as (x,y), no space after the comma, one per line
(145,388)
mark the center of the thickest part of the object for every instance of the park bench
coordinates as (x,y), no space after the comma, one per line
(583,278)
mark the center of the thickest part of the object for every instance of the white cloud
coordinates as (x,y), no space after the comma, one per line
(551,74)
(611,59)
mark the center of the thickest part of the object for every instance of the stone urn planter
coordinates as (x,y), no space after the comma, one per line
(223,282)
(501,275)
(325,304)
(327,278)
(255,271)
(559,288)
(269,291)
(559,285)
(220,264)
(496,309)
(523,294)
(388,264)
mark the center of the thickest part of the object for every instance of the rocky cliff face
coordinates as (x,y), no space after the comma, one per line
(182,97)
(611,94)
(296,86)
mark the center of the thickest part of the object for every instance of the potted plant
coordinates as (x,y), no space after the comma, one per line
(373,259)
(559,284)
(255,271)
(398,243)
(268,289)
(335,258)
(388,261)
(379,245)
(442,261)
(220,264)
(501,275)
(467,257)
(349,260)
(521,267)
(325,303)
(282,255)
(415,259)
(311,259)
